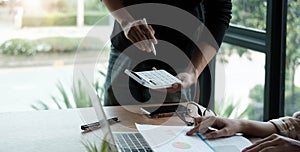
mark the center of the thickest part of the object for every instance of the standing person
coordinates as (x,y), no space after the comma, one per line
(132,32)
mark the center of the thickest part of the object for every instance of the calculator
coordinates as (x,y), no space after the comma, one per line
(154,79)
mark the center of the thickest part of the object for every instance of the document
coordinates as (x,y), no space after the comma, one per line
(174,139)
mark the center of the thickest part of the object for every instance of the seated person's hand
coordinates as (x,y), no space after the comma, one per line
(225,127)
(275,143)
(187,79)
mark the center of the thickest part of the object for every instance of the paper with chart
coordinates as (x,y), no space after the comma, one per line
(173,138)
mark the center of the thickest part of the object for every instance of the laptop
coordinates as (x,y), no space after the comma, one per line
(121,141)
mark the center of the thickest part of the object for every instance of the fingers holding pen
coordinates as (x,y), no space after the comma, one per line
(194,130)
(141,35)
(196,126)
(136,36)
(133,37)
(150,32)
(202,125)
(143,38)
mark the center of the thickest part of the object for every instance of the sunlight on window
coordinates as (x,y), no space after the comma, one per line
(242,73)
(38,47)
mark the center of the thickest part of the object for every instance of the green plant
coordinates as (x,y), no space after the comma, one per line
(18,47)
(252,13)
(53,19)
(105,146)
(78,99)
(91,18)
(23,47)
(231,108)
(100,87)
(62,19)
(60,44)
(94,5)
(257,93)
(249,13)
(90,147)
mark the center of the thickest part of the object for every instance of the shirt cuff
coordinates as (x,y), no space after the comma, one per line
(285,127)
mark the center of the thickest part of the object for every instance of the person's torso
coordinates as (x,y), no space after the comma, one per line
(183,4)
(177,38)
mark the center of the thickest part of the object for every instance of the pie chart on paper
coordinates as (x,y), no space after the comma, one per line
(181,145)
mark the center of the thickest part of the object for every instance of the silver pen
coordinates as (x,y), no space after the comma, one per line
(151,43)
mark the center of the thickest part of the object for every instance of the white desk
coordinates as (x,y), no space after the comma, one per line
(42,131)
(59,130)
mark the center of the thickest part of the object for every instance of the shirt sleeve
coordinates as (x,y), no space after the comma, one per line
(217,16)
(288,126)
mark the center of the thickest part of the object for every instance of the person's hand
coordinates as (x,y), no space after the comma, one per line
(138,32)
(225,127)
(187,79)
(274,143)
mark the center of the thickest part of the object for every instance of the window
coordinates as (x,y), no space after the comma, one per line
(292,81)
(239,87)
(39,44)
(249,13)
(268,39)
(25,70)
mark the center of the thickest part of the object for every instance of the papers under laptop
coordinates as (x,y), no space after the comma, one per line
(158,138)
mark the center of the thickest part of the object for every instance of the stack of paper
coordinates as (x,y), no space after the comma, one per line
(174,138)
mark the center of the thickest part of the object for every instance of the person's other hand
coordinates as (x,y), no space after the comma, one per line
(138,32)
(274,143)
(187,79)
(225,127)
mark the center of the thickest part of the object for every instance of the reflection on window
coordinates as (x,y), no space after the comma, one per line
(39,42)
(292,81)
(239,89)
(94,11)
(249,13)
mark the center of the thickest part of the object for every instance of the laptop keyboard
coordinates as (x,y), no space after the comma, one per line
(132,142)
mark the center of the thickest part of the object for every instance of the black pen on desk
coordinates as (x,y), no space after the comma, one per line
(91,126)
(98,124)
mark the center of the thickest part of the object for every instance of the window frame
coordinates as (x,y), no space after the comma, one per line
(272,42)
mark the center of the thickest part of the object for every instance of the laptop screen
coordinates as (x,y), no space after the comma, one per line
(104,132)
